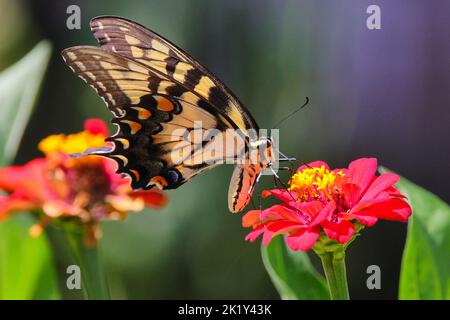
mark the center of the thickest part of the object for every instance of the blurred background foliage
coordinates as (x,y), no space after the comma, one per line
(26,264)
(381,93)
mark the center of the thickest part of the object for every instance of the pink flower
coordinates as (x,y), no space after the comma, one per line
(85,189)
(320,201)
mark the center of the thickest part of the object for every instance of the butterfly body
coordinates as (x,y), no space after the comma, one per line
(160,96)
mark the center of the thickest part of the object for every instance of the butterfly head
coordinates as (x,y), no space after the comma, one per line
(264,151)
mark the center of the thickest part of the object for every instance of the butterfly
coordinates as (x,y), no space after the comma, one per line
(154,89)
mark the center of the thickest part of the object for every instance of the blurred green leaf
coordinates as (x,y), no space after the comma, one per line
(26,265)
(19,90)
(425,272)
(292,272)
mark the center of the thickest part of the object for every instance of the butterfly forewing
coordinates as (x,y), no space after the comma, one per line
(136,42)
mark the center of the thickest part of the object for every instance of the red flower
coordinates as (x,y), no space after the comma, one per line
(330,202)
(86,189)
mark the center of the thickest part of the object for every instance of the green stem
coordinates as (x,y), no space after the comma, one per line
(93,277)
(69,248)
(335,273)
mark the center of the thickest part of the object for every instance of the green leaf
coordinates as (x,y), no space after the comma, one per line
(19,90)
(425,271)
(26,264)
(292,272)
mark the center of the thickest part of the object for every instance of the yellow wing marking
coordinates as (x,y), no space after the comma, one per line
(132,40)
(205,84)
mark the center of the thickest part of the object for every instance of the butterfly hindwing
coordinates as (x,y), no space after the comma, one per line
(146,146)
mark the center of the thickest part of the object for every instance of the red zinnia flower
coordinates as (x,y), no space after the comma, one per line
(86,189)
(330,202)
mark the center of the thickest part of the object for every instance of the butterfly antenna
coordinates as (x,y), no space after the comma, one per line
(304,164)
(291,114)
(285,158)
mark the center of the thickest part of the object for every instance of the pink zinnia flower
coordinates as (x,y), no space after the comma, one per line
(330,202)
(85,189)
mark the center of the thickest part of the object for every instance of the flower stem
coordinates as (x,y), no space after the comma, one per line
(92,274)
(334,268)
(69,248)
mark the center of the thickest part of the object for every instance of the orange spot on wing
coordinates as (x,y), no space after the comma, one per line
(134,126)
(164,104)
(159,181)
(143,113)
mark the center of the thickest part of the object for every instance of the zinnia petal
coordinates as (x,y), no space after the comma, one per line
(340,231)
(255,233)
(282,211)
(393,209)
(365,220)
(151,198)
(309,209)
(281,194)
(379,185)
(324,214)
(283,226)
(96,126)
(361,172)
(12,204)
(123,203)
(351,193)
(267,236)
(251,218)
(26,177)
(303,239)
(315,210)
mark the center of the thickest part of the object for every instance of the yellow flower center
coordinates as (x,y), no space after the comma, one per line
(72,143)
(315,183)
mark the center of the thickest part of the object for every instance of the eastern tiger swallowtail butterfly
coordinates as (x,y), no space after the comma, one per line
(154,88)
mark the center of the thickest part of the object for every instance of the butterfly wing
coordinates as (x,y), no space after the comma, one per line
(153,118)
(134,41)
(241,186)
(154,89)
